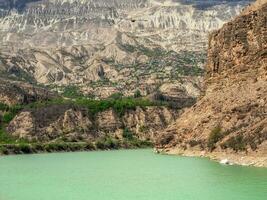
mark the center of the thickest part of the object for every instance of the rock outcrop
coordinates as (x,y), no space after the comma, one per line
(70,123)
(17,92)
(230,119)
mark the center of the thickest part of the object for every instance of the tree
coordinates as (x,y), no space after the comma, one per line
(137,94)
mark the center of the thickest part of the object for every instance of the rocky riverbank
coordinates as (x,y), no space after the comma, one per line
(257,159)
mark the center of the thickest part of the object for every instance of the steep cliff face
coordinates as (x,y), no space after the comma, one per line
(75,124)
(117,45)
(229,121)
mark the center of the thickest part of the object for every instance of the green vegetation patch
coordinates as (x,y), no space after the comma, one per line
(127,134)
(118,105)
(3,107)
(215,136)
(72,91)
(137,94)
(107,142)
(9,112)
(116,96)
(237,143)
(5,138)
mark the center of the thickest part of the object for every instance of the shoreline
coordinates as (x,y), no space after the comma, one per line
(242,159)
(38,148)
(78,151)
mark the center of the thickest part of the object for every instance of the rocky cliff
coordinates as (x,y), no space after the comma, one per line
(68,127)
(229,121)
(75,124)
(109,46)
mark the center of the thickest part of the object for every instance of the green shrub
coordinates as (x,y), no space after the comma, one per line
(137,94)
(107,143)
(76,147)
(9,112)
(116,96)
(89,146)
(50,147)
(5,138)
(7,117)
(194,143)
(215,135)
(145,143)
(127,134)
(100,144)
(38,147)
(237,143)
(3,107)
(111,143)
(4,150)
(25,148)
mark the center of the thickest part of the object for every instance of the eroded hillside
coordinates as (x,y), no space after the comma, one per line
(107,46)
(229,121)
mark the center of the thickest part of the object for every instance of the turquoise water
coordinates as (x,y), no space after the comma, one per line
(126,175)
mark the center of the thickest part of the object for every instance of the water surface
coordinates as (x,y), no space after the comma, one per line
(126,175)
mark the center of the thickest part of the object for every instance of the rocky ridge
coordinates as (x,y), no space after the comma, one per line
(33,119)
(229,120)
(110,46)
(69,127)
(69,123)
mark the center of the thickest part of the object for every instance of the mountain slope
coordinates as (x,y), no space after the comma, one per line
(107,46)
(229,121)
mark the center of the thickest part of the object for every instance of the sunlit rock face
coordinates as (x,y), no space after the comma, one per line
(118,44)
(230,117)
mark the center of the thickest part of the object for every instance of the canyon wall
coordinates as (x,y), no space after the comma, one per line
(229,120)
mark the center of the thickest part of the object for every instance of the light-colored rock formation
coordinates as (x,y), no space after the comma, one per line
(70,123)
(123,44)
